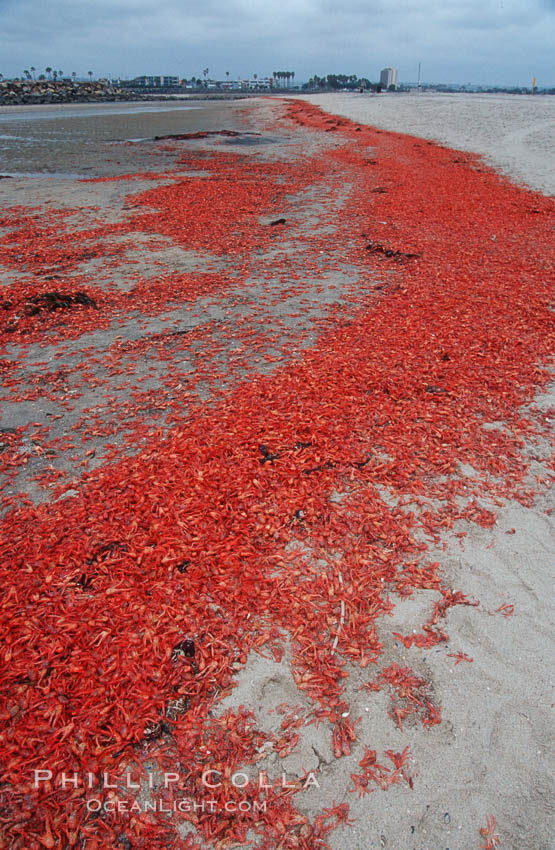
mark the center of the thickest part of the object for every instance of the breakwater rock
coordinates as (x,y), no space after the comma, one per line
(60,91)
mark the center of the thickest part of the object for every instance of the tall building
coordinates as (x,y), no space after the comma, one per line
(388,77)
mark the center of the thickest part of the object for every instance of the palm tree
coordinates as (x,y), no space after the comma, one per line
(55,75)
(227,75)
(27,75)
(205,74)
(33,69)
(60,74)
(48,71)
(293,75)
(90,75)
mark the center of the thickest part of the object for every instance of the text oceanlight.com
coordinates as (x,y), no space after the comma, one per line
(184,804)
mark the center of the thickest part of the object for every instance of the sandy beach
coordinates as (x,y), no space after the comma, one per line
(276,432)
(514,133)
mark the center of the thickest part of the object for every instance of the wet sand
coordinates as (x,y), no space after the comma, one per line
(97,140)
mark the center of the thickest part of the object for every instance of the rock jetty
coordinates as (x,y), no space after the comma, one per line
(60,91)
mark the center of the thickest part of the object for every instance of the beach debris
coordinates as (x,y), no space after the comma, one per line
(84,581)
(153,730)
(390,253)
(177,707)
(459,656)
(185,648)
(488,832)
(203,134)
(382,776)
(55,300)
(267,455)
(7,433)
(167,336)
(507,609)
(107,550)
(410,695)
(277,221)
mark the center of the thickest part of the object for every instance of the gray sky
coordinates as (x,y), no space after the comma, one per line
(479,41)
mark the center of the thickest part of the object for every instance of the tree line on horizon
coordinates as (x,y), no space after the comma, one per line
(288,76)
(341,81)
(284,75)
(49,73)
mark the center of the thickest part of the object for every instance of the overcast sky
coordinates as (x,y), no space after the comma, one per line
(479,41)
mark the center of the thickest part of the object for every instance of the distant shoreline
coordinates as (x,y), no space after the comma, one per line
(50,93)
(133,98)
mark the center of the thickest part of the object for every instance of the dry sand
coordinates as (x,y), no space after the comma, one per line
(495,753)
(515,133)
(490,755)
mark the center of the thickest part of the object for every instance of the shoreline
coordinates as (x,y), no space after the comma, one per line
(131,98)
(105,139)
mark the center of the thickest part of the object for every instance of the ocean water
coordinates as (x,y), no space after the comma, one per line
(45,112)
(89,139)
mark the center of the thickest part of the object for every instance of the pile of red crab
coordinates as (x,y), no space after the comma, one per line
(259,521)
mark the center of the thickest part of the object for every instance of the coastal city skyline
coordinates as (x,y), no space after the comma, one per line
(494,42)
(385,79)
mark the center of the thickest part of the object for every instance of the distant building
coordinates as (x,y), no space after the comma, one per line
(388,78)
(261,83)
(155,82)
